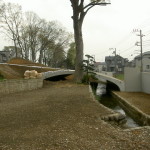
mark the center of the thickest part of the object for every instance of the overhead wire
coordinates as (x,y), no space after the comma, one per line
(125,41)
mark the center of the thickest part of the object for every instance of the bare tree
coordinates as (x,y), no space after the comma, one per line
(47,37)
(34,38)
(80,9)
(53,41)
(11,19)
(33,28)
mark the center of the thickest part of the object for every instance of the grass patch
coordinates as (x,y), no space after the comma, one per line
(119,76)
(1,77)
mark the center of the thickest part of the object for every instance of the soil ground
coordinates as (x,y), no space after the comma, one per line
(62,116)
(137,99)
(16,67)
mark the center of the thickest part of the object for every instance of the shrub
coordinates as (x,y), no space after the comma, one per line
(86,78)
(1,77)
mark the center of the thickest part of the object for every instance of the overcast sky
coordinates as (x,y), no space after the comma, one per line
(104,27)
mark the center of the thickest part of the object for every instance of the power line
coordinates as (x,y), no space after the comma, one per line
(123,40)
(146,40)
(123,51)
(148,33)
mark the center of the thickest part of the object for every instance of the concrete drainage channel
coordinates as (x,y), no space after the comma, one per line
(142,118)
(124,115)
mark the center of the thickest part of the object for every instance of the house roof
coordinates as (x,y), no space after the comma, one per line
(99,63)
(145,53)
(112,57)
(2,52)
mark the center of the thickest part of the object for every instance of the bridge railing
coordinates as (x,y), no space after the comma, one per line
(118,82)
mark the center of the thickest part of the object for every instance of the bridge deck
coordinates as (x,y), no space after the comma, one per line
(118,82)
(57,73)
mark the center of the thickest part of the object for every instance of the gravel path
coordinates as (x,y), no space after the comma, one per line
(62,116)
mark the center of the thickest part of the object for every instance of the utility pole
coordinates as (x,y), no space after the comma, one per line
(141,46)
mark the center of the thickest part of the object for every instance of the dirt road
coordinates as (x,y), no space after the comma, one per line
(62,116)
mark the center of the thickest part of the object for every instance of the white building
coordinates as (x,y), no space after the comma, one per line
(145,61)
(100,66)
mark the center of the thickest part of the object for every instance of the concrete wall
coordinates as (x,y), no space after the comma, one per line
(146,63)
(18,85)
(132,79)
(135,82)
(146,82)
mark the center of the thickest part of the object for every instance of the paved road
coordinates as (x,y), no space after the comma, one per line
(61,116)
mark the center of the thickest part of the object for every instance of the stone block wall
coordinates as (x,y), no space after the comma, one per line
(18,85)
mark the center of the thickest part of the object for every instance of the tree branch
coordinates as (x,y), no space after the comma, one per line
(94,3)
(81,3)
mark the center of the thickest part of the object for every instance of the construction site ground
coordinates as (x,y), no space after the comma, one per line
(62,116)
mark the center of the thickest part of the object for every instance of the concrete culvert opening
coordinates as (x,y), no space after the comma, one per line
(111,87)
(57,78)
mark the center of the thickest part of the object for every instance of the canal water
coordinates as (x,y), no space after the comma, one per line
(107,100)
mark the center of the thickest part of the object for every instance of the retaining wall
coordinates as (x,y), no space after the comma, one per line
(18,85)
(132,79)
(134,112)
(135,81)
(146,82)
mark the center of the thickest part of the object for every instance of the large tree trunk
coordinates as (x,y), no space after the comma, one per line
(77,23)
(79,12)
(41,57)
(79,51)
(16,50)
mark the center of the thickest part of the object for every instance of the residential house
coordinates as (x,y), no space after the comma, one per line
(100,66)
(4,56)
(8,53)
(145,61)
(12,51)
(115,63)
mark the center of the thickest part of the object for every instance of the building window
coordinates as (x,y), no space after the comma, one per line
(147,66)
(119,69)
(4,58)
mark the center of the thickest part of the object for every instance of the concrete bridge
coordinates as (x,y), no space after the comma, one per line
(105,78)
(100,76)
(57,73)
